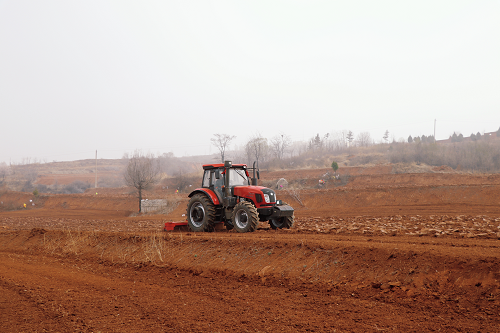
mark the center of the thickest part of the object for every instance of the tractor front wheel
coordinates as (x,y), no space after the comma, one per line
(282,222)
(245,217)
(200,213)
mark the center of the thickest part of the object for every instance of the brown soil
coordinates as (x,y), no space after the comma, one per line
(402,253)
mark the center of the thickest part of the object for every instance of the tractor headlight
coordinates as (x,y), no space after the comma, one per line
(266,198)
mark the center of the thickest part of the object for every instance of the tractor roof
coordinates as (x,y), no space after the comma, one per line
(221,165)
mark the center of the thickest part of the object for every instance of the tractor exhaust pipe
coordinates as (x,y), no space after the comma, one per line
(227,189)
(255,171)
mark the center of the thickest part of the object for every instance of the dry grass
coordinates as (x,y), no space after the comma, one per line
(151,248)
(411,168)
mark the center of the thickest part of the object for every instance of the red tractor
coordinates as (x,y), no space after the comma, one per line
(228,195)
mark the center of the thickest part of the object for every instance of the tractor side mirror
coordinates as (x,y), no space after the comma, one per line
(258,174)
(217,174)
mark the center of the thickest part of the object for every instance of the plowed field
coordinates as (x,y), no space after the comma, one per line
(399,253)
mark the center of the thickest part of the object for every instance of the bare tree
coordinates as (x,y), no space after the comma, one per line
(279,144)
(256,148)
(27,172)
(4,170)
(364,139)
(142,172)
(181,181)
(339,140)
(221,141)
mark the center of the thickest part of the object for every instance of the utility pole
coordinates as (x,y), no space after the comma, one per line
(434,130)
(96,169)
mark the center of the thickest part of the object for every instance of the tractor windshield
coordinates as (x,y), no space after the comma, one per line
(237,177)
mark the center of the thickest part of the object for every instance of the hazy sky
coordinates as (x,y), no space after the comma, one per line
(164,76)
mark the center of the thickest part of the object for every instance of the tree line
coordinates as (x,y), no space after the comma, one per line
(475,153)
(478,152)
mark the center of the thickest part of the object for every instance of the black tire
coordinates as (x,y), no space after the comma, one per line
(200,213)
(282,222)
(245,217)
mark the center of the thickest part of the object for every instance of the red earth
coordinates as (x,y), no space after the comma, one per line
(371,252)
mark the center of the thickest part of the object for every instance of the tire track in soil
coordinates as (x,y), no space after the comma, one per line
(19,313)
(113,301)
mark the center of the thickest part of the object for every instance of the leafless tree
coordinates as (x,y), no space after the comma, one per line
(279,144)
(181,181)
(339,141)
(171,165)
(364,139)
(27,172)
(142,172)
(31,173)
(222,141)
(4,170)
(256,148)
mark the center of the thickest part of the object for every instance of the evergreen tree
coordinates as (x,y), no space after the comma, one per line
(386,136)
(335,166)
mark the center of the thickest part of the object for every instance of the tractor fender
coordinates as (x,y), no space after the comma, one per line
(209,193)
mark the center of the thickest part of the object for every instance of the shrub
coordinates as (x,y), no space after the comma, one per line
(75,187)
(43,188)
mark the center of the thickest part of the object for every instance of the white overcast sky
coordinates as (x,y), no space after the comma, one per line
(164,76)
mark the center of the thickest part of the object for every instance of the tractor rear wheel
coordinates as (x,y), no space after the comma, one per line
(282,222)
(200,213)
(245,217)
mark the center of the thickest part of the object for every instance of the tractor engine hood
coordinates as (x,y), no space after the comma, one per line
(260,195)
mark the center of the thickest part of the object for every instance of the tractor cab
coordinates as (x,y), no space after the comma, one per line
(215,178)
